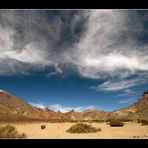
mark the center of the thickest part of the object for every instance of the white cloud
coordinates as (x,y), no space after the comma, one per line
(113,85)
(125,101)
(61,108)
(130,93)
(38,105)
(30,54)
(57,107)
(127,92)
(107,48)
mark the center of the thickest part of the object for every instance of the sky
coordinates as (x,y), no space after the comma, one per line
(74,59)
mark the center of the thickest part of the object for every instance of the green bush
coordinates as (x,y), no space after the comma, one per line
(83,128)
(43,126)
(116,123)
(10,131)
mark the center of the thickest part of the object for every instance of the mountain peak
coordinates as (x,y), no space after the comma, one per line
(145,92)
(2,91)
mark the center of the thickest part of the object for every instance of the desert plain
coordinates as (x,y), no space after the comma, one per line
(130,130)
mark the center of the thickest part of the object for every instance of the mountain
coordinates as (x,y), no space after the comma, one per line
(92,114)
(16,109)
(138,110)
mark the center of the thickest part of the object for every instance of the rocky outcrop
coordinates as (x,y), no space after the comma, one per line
(138,110)
(145,92)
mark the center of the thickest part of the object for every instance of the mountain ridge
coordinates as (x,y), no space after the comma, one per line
(13,108)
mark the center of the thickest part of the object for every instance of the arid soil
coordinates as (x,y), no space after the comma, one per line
(58,131)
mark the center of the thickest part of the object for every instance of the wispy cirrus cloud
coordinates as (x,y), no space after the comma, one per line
(58,107)
(98,44)
(117,85)
(61,108)
(125,101)
(108,47)
(126,92)
(34,40)
(38,105)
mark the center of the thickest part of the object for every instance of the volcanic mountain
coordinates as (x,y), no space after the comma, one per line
(138,110)
(16,109)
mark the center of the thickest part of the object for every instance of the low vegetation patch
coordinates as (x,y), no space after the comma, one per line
(99,121)
(109,120)
(142,121)
(144,136)
(93,121)
(126,120)
(43,126)
(83,128)
(10,131)
(116,123)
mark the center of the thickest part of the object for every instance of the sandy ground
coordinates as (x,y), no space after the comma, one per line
(58,131)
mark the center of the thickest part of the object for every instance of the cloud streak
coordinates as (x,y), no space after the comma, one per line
(109,47)
(122,84)
(38,105)
(35,39)
(96,44)
(125,101)
(58,107)
(115,85)
(61,108)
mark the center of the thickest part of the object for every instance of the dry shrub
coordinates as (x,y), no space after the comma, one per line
(109,120)
(142,121)
(98,121)
(10,131)
(126,120)
(83,128)
(144,136)
(43,126)
(116,123)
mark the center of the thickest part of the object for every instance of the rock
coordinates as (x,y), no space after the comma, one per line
(73,118)
(2,91)
(146,92)
(87,119)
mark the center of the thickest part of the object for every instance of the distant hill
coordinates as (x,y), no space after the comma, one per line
(16,109)
(137,110)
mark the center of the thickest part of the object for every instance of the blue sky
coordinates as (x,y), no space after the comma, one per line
(71,91)
(74,59)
